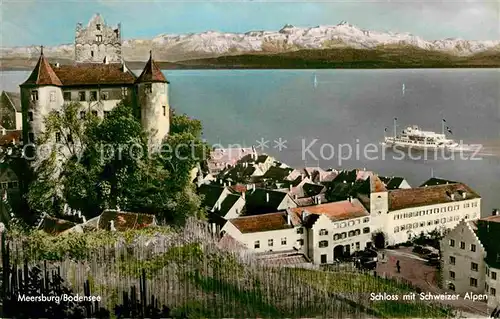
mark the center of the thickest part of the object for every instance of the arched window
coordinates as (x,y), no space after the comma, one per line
(366,230)
(351,233)
(323,244)
(336,237)
(451,286)
(357,232)
(343,235)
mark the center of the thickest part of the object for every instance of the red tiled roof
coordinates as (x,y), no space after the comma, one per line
(376,184)
(11,137)
(259,223)
(430,195)
(335,211)
(43,74)
(151,72)
(94,73)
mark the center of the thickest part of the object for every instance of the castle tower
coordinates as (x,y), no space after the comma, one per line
(152,94)
(40,94)
(97,41)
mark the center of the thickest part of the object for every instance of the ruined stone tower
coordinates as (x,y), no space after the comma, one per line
(98,41)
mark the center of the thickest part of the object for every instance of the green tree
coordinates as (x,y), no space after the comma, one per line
(108,163)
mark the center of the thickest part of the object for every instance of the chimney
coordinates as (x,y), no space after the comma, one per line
(452,196)
(124,67)
(464,195)
(319,200)
(291,186)
(57,65)
(267,197)
(288,219)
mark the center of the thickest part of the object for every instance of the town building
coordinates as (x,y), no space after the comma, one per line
(10,111)
(98,84)
(470,258)
(402,214)
(323,232)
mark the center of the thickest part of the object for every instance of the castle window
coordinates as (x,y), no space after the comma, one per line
(67,96)
(34,95)
(93,95)
(117,33)
(106,113)
(323,244)
(30,116)
(92,53)
(366,230)
(149,88)
(82,115)
(283,241)
(94,113)
(98,38)
(124,91)
(52,96)
(58,137)
(164,110)
(323,232)
(70,138)
(31,137)
(104,95)
(82,96)
(98,27)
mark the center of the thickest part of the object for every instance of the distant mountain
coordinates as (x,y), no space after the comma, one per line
(212,44)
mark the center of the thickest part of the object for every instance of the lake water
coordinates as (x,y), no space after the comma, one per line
(350,107)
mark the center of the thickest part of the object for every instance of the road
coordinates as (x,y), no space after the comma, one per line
(415,270)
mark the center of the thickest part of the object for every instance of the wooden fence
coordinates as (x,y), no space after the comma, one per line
(187,274)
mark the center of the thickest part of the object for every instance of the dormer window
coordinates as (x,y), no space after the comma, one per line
(323,232)
(98,27)
(98,38)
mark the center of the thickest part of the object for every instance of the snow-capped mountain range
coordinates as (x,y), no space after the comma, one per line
(168,47)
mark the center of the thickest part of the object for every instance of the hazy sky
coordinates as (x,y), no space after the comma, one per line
(52,22)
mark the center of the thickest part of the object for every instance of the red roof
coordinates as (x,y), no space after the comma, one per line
(430,195)
(94,73)
(11,137)
(151,72)
(264,222)
(43,74)
(336,211)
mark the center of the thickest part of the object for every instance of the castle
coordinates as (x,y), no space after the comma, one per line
(98,80)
